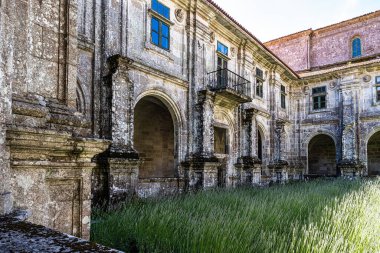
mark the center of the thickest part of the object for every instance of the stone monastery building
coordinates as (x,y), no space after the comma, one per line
(105,100)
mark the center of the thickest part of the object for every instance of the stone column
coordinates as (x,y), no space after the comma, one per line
(249,165)
(350,164)
(279,166)
(6,69)
(205,126)
(123,160)
(201,169)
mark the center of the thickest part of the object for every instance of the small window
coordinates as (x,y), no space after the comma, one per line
(222,49)
(259,83)
(378,93)
(283,97)
(319,98)
(356,47)
(378,80)
(220,140)
(160,30)
(161,9)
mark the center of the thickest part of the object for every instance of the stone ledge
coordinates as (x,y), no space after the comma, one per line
(21,236)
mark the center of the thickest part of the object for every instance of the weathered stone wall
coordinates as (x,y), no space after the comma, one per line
(328,45)
(74,74)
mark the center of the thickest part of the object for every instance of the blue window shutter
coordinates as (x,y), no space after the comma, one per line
(356,48)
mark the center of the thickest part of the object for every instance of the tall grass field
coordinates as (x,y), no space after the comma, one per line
(318,216)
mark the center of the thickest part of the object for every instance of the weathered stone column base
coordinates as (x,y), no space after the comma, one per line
(351,169)
(5,203)
(201,174)
(123,179)
(296,172)
(280,171)
(250,171)
(53,180)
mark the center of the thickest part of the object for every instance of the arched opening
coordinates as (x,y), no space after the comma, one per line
(322,156)
(373,150)
(356,47)
(259,145)
(154,138)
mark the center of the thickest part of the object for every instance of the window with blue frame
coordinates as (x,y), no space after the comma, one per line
(356,47)
(223,49)
(160,29)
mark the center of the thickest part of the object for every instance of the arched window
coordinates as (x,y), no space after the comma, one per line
(356,47)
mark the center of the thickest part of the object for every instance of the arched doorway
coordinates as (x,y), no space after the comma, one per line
(259,145)
(373,150)
(154,138)
(322,156)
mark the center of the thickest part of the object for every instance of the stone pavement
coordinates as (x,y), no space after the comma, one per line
(18,236)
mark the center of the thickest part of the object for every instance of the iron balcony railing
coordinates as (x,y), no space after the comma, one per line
(224,79)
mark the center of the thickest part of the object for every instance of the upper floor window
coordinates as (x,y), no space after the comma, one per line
(259,83)
(220,140)
(160,29)
(356,47)
(283,97)
(319,98)
(161,9)
(223,49)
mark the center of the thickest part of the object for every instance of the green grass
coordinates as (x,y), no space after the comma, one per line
(318,216)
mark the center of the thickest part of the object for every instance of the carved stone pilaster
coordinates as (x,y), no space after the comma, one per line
(123,178)
(121,159)
(205,120)
(350,165)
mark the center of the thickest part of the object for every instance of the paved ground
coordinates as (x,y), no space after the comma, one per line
(23,237)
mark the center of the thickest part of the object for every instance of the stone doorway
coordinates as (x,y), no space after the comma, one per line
(373,150)
(259,146)
(322,156)
(154,138)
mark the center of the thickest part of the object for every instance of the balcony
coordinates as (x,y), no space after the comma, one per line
(229,85)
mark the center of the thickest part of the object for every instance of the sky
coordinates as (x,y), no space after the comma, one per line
(271,19)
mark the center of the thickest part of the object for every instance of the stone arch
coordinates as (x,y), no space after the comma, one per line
(321,155)
(373,153)
(222,119)
(260,142)
(156,125)
(81,104)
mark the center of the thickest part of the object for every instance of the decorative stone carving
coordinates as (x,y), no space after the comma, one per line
(233,51)
(333,84)
(367,78)
(212,37)
(179,15)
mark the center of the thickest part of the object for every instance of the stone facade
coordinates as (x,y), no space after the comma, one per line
(93,112)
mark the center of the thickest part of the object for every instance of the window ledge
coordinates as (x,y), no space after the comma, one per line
(319,111)
(163,19)
(162,52)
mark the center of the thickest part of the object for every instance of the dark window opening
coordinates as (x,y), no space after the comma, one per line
(259,83)
(378,93)
(222,74)
(220,140)
(319,98)
(259,146)
(283,97)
